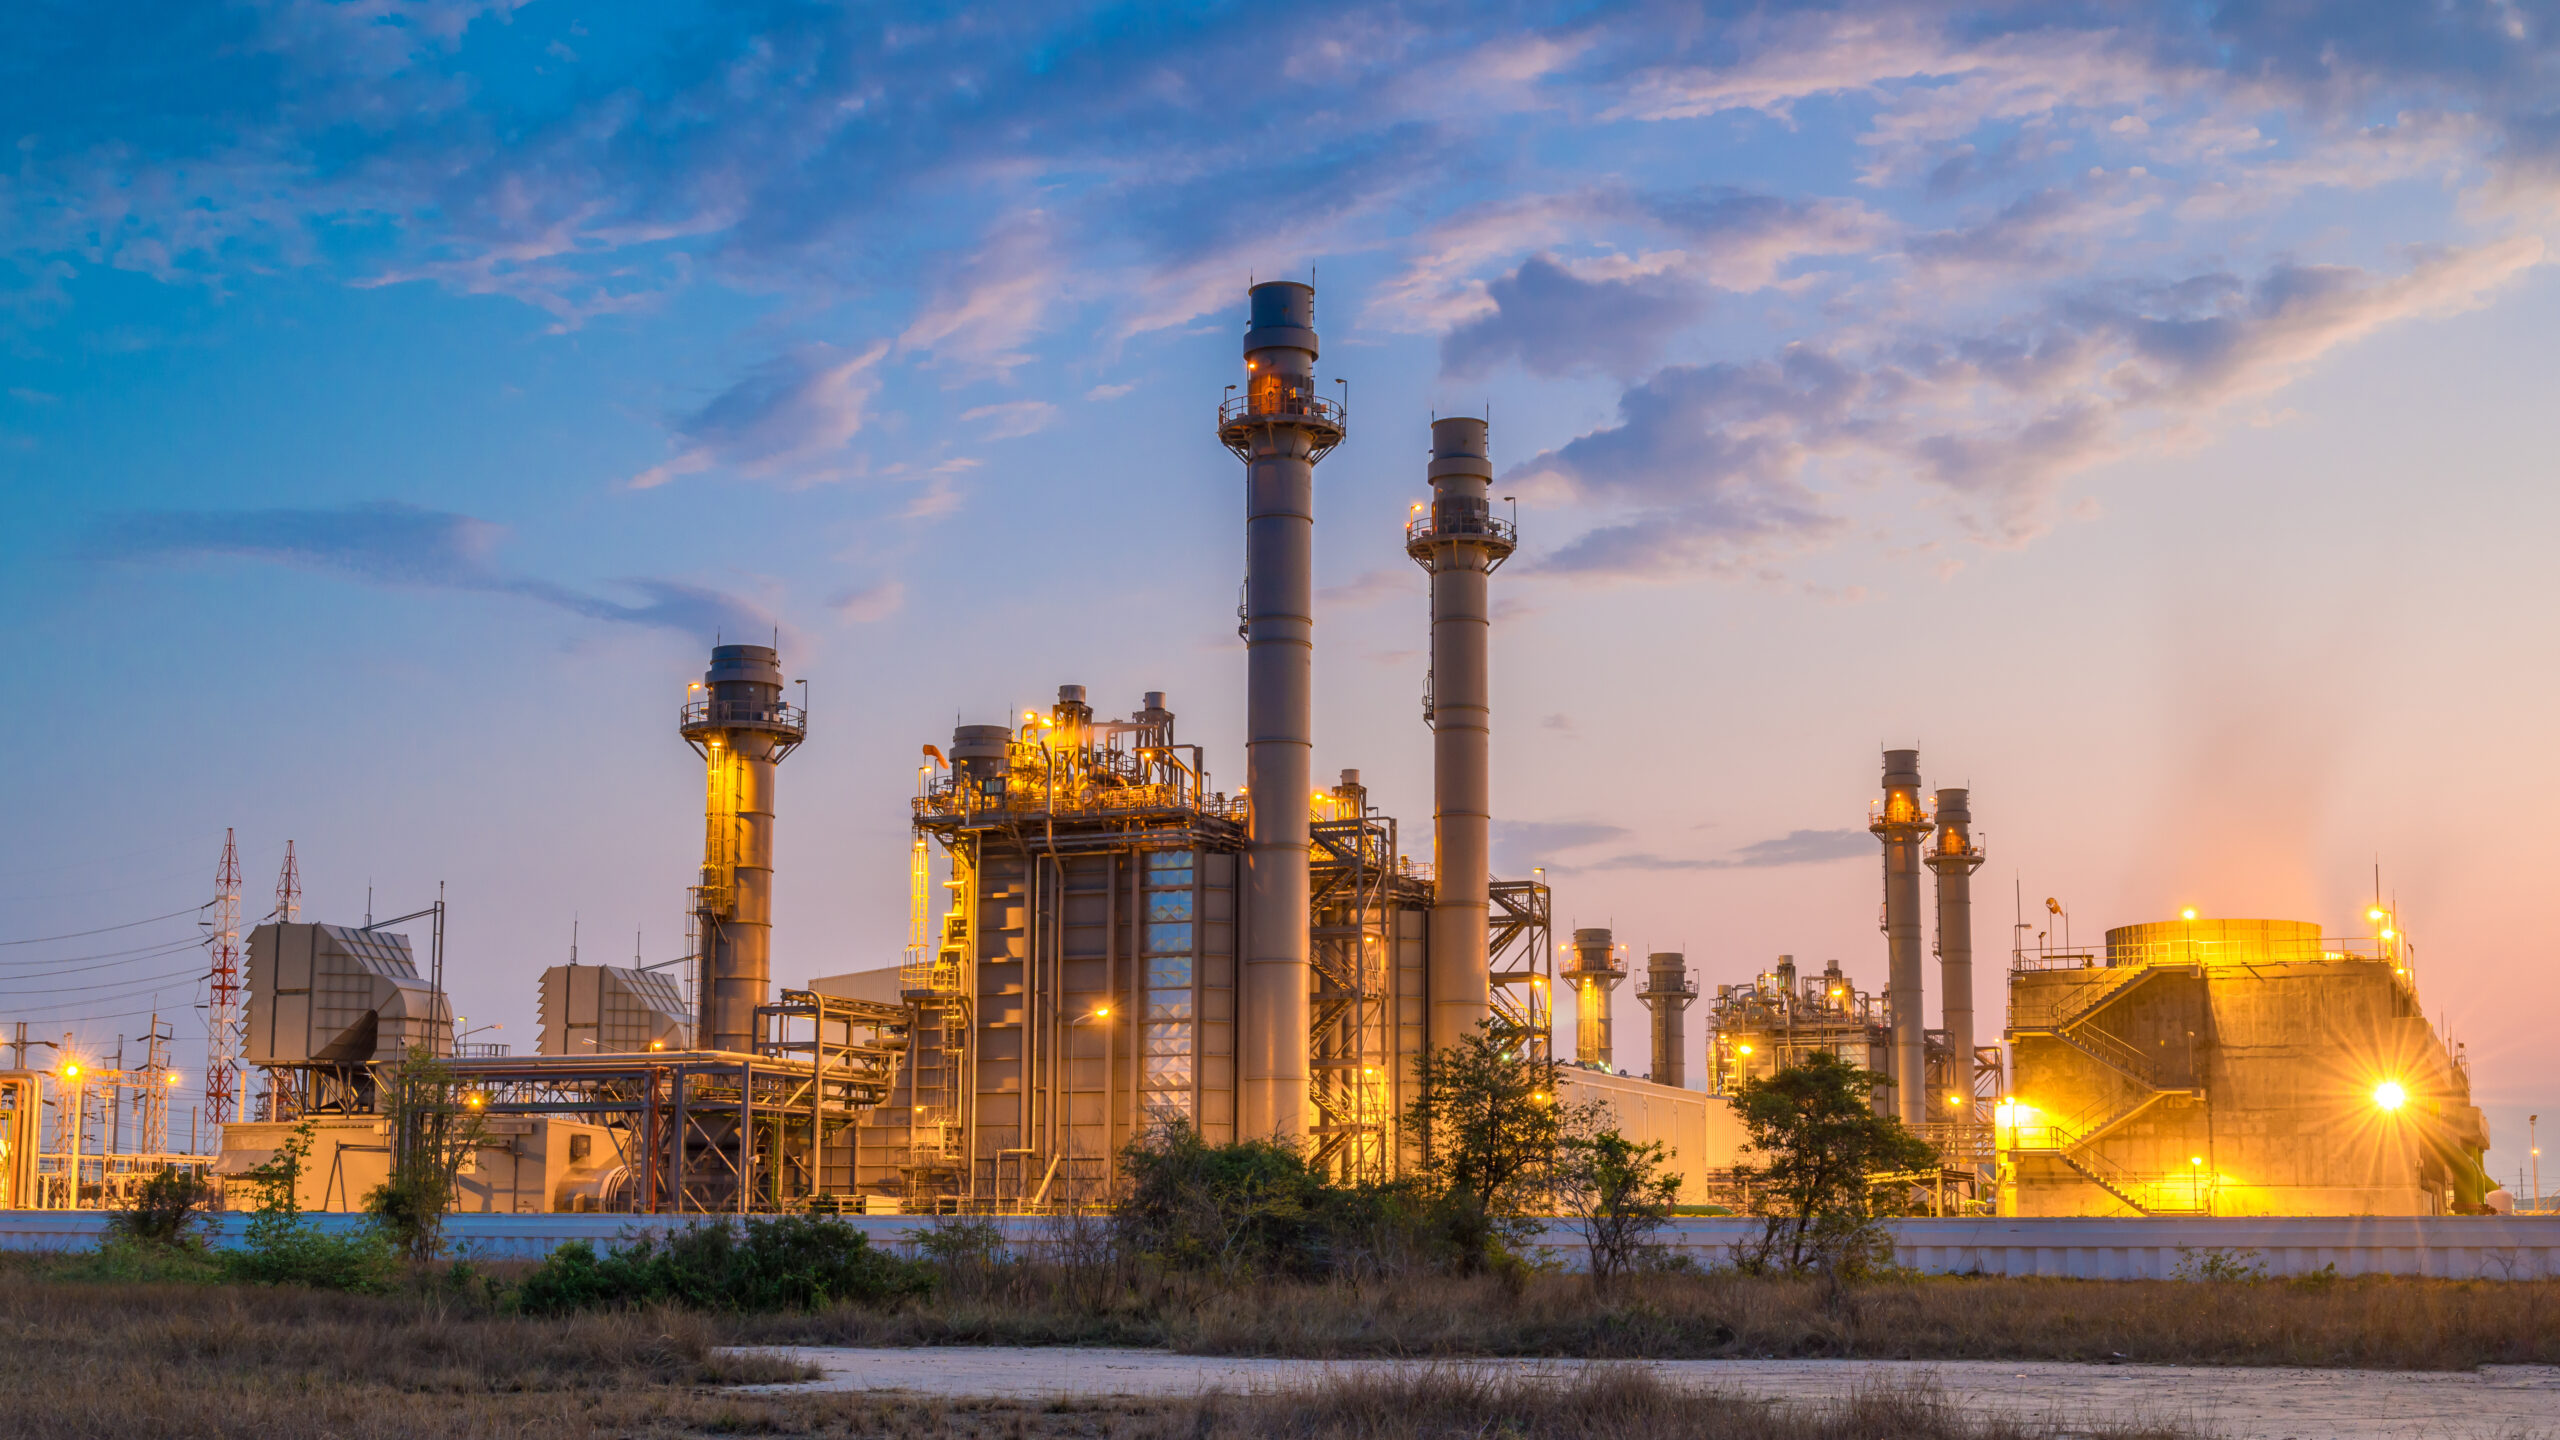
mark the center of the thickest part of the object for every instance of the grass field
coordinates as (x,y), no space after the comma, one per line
(86,1360)
(2374,1324)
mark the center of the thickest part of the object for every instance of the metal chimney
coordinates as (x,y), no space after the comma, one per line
(1667,993)
(1955,858)
(1459,543)
(1901,825)
(1594,973)
(1280,427)
(736,720)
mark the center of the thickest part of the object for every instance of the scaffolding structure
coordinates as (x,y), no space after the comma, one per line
(1357,890)
(1523,951)
(708,1132)
(225,1082)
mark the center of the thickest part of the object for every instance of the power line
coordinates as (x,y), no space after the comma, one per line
(69,964)
(167,980)
(103,929)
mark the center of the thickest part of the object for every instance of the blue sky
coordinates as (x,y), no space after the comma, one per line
(2143,409)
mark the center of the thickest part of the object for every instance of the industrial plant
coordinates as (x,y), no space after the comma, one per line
(1104,940)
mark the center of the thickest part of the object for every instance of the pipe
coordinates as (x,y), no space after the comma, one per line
(1668,994)
(742,729)
(1280,428)
(1901,825)
(1460,544)
(1955,858)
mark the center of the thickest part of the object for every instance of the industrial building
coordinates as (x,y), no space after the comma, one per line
(2233,1067)
(1102,940)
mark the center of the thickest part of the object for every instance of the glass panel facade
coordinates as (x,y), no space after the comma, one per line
(1170,1038)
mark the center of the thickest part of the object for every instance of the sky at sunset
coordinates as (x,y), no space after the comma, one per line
(2146,411)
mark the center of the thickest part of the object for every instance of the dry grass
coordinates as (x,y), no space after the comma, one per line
(88,1361)
(2386,1324)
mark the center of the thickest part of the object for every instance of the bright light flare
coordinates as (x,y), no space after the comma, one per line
(2390,1095)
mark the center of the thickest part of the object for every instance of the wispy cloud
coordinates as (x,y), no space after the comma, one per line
(387,543)
(790,417)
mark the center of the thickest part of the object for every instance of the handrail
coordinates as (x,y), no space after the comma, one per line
(1427,527)
(1294,405)
(789,719)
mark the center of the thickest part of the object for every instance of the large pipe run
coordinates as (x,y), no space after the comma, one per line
(737,721)
(1668,994)
(1280,427)
(1902,825)
(1460,543)
(1955,858)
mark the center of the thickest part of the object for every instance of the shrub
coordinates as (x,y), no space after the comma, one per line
(1615,1189)
(163,1212)
(282,1248)
(433,1130)
(1249,1207)
(789,1262)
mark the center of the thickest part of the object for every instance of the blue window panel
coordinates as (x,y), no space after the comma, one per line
(1160,860)
(1169,938)
(1169,972)
(1168,905)
(1175,1007)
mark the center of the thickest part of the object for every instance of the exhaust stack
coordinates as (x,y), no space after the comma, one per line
(1667,993)
(1955,857)
(737,722)
(1459,543)
(1901,825)
(1279,427)
(1594,973)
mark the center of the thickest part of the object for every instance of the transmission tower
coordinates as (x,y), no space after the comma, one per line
(288,889)
(222,1077)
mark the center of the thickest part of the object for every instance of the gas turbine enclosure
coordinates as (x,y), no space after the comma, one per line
(610,1010)
(331,995)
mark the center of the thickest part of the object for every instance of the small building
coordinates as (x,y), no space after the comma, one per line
(2233,1067)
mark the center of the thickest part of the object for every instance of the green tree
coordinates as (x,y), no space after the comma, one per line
(1822,1140)
(1619,1196)
(434,1128)
(1490,1120)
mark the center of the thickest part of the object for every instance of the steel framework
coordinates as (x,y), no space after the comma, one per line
(225,1083)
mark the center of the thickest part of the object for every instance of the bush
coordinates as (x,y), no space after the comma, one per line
(787,1263)
(282,1248)
(164,1212)
(1251,1207)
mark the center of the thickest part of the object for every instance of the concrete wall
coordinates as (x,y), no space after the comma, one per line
(2451,1247)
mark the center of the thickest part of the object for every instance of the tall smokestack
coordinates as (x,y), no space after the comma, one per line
(1901,824)
(1459,543)
(736,720)
(1667,993)
(1955,858)
(1594,973)
(1280,427)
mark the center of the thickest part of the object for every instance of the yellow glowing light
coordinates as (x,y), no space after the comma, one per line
(1539,1096)
(1742,1049)
(2387,933)
(1837,992)
(171,1078)
(2373,914)
(1955,1099)
(2187,914)
(2390,1095)
(70,1072)
(2195,1159)
(475,1101)
(1101,1011)
(657,1044)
